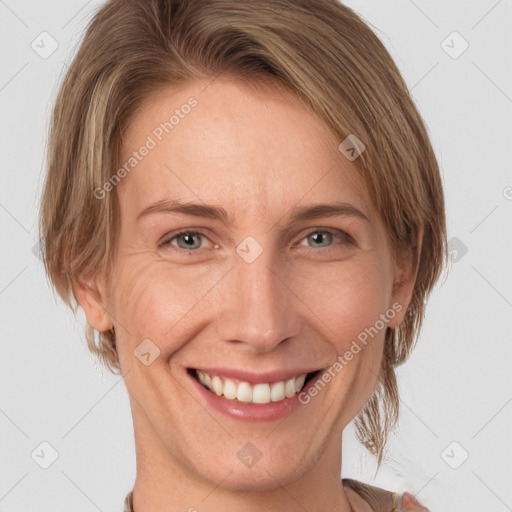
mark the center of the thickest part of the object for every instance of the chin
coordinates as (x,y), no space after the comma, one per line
(267,471)
(257,479)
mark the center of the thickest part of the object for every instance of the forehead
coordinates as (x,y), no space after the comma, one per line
(225,142)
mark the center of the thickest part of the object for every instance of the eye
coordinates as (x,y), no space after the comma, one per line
(186,240)
(321,238)
(192,241)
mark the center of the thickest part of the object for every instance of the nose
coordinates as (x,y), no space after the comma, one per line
(259,307)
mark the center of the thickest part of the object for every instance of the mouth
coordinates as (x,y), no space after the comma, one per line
(252,393)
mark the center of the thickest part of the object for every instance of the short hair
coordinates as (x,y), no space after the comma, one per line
(322,52)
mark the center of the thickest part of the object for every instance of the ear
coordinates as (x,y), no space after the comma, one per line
(406,272)
(90,294)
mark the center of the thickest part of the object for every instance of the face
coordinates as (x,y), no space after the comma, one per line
(250,317)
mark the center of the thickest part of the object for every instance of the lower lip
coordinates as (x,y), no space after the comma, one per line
(246,411)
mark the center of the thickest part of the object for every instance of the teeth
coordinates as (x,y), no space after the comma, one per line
(277,392)
(256,394)
(230,389)
(244,392)
(289,388)
(217,386)
(299,383)
(261,394)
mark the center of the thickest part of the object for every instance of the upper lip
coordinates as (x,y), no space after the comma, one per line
(257,378)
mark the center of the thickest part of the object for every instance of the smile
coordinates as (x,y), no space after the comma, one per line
(257,393)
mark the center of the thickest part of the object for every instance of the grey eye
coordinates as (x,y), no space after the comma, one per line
(188,240)
(321,238)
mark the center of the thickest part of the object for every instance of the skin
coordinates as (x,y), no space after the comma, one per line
(258,153)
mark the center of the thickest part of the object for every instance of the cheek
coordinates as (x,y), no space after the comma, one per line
(156,300)
(350,302)
(348,298)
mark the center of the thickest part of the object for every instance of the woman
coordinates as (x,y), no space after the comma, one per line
(243,199)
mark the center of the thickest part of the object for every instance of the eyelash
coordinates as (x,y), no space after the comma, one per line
(336,233)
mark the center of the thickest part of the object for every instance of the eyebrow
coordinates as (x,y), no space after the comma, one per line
(317,211)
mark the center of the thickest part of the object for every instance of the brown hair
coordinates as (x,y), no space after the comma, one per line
(318,49)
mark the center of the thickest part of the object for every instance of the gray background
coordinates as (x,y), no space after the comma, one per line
(456,391)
